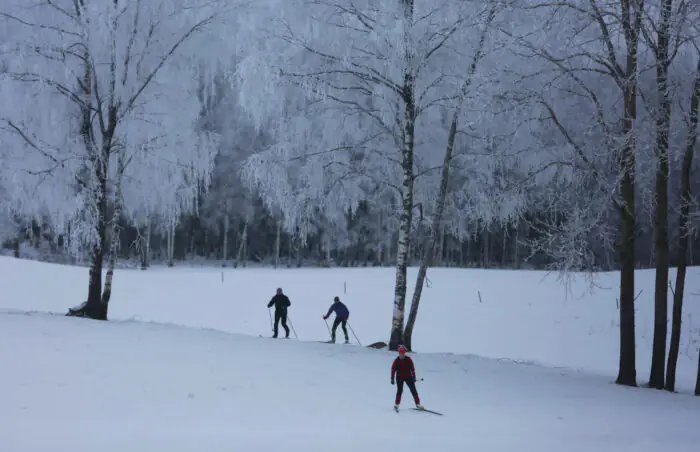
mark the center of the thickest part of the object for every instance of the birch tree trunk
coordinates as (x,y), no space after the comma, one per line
(684,239)
(406,217)
(115,234)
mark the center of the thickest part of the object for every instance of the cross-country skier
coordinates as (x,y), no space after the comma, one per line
(281,303)
(405,371)
(341,318)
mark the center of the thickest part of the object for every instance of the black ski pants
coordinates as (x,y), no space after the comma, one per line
(344,323)
(411,383)
(280,314)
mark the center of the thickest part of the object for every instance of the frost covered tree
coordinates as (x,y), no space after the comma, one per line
(358,123)
(594,61)
(688,203)
(103,78)
(436,226)
(664,33)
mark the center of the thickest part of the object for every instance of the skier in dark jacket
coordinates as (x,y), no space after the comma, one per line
(341,318)
(281,303)
(405,372)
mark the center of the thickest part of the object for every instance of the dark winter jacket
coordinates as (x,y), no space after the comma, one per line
(403,369)
(280,301)
(341,311)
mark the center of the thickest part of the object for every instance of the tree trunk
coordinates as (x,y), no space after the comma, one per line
(440,253)
(241,246)
(486,256)
(402,257)
(92,307)
(227,223)
(661,251)
(516,245)
(697,379)
(115,235)
(631,22)
(627,374)
(146,246)
(406,217)
(278,243)
(504,246)
(16,243)
(171,241)
(685,231)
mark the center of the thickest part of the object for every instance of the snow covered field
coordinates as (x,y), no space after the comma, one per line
(77,385)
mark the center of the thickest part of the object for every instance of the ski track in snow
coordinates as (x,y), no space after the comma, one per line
(78,385)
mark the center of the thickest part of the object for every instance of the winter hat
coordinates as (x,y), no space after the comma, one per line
(279,291)
(402,349)
(336,299)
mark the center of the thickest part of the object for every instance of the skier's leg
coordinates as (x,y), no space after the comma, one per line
(412,386)
(277,321)
(336,322)
(399,390)
(345,330)
(284,323)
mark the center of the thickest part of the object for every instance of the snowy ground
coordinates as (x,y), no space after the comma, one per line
(77,385)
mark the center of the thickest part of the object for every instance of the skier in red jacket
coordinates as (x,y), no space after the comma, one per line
(404,371)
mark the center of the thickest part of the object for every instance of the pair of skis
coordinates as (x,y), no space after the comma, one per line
(420,409)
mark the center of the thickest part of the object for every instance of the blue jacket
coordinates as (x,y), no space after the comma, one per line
(341,311)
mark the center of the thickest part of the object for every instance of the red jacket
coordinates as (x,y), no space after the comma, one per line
(403,368)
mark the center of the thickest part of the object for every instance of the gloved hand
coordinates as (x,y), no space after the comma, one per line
(325,317)
(392,382)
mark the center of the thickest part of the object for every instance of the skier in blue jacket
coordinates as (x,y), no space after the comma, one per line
(341,318)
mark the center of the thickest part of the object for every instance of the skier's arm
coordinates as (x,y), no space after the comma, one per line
(393,369)
(413,368)
(272,301)
(329,311)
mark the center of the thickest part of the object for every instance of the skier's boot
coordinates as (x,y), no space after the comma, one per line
(396,408)
(347,341)
(419,406)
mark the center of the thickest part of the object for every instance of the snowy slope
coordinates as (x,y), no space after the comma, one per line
(83,386)
(524,316)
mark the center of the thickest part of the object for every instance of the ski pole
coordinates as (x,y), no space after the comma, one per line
(328,327)
(353,333)
(292,325)
(269,314)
